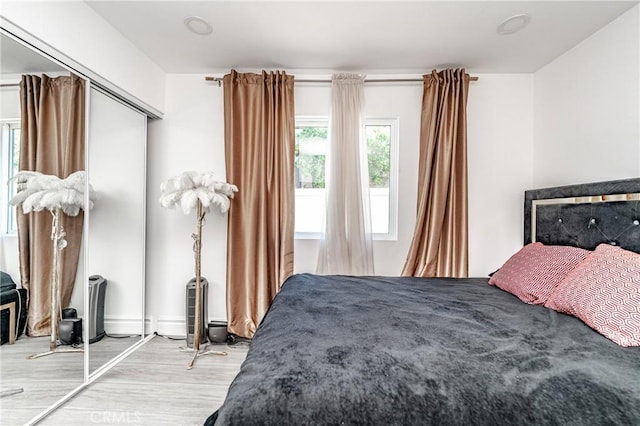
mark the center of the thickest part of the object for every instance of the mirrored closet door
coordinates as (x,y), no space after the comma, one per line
(29,386)
(108,293)
(115,263)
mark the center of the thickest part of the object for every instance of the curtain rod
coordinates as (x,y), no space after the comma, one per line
(10,85)
(381,80)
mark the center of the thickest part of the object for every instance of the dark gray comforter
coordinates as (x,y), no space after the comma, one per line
(337,350)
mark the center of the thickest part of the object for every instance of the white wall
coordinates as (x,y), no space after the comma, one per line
(10,103)
(500,143)
(191,137)
(587,109)
(77,31)
(9,261)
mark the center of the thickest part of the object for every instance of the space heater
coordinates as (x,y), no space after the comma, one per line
(97,289)
(191,311)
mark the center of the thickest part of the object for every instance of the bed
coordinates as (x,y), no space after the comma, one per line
(342,350)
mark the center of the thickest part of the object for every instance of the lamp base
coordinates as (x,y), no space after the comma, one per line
(55,351)
(203,351)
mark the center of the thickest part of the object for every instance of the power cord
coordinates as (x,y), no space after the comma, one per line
(168,337)
(121,337)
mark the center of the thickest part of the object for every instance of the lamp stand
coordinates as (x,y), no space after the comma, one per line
(197,331)
(59,243)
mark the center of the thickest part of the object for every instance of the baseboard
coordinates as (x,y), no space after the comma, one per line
(169,326)
(150,325)
(122,325)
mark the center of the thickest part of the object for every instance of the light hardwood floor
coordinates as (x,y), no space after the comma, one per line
(44,380)
(153,387)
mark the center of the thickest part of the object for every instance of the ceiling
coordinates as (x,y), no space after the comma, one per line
(17,59)
(367,36)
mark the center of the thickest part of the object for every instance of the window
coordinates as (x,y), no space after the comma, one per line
(311,148)
(11,151)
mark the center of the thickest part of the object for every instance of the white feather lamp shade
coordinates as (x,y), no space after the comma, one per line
(184,191)
(37,192)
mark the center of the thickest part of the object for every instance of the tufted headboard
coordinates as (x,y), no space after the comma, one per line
(585,215)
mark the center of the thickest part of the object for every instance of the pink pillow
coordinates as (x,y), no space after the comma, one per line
(604,292)
(533,273)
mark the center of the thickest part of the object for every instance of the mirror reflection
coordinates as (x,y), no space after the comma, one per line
(113,275)
(115,264)
(42,130)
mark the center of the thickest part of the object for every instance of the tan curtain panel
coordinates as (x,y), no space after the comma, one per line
(259,132)
(440,240)
(52,142)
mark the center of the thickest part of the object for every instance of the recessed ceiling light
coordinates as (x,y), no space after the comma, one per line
(197,25)
(513,25)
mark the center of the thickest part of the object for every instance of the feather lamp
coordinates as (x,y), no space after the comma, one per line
(199,191)
(37,192)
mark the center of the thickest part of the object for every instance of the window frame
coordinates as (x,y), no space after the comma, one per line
(7,215)
(393,122)
(309,121)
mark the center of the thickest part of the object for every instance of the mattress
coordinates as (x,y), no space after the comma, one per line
(341,350)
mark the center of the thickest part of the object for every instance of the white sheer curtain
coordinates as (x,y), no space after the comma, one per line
(346,246)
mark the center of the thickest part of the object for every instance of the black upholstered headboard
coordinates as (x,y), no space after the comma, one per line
(585,215)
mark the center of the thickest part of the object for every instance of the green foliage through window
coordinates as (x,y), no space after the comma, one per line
(379,155)
(15,146)
(311,146)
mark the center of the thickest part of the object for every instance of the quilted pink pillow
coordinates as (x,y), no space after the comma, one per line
(533,273)
(604,292)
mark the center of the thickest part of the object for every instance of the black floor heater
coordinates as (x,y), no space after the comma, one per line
(97,290)
(191,311)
